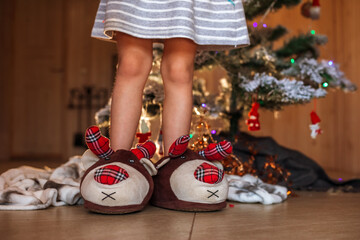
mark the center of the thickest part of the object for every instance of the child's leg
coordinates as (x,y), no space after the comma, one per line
(134,65)
(177,69)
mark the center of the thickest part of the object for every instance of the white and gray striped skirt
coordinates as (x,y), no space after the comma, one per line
(212,24)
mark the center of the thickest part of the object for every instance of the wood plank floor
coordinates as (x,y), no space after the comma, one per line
(311,215)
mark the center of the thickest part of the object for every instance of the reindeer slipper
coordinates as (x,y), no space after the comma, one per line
(187,181)
(116,182)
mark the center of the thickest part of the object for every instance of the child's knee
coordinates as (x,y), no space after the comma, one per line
(177,72)
(134,65)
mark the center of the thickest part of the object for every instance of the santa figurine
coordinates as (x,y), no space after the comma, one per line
(315,125)
(253,121)
(311,9)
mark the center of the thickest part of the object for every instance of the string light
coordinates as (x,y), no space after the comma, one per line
(292,61)
(325,84)
(213,131)
(264,25)
(255,24)
(312,32)
(330,63)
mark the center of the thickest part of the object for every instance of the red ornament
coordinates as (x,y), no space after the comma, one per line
(253,121)
(315,125)
(305,9)
(143,137)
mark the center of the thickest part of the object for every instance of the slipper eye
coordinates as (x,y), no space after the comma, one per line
(208,173)
(110,174)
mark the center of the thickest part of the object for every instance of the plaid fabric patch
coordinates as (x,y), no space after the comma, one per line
(208,173)
(216,151)
(179,146)
(97,143)
(110,174)
(146,150)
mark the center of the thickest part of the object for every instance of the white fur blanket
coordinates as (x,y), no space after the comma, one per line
(28,188)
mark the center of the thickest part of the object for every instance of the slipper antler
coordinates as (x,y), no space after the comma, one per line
(145,150)
(216,152)
(97,143)
(179,146)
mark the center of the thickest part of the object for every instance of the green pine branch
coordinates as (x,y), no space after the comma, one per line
(254,8)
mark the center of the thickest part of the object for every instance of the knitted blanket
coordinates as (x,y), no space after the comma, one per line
(28,188)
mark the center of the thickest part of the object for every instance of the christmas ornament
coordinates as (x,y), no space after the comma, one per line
(315,10)
(144,133)
(311,9)
(314,126)
(253,121)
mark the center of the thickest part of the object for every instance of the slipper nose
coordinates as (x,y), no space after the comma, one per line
(110,175)
(208,173)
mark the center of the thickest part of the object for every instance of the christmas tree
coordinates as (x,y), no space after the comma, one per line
(261,76)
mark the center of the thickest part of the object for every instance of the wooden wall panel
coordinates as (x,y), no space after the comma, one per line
(37,97)
(7,9)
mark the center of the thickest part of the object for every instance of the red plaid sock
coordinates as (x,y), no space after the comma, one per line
(217,151)
(97,143)
(179,146)
(145,150)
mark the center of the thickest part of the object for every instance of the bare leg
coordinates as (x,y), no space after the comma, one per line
(177,68)
(134,65)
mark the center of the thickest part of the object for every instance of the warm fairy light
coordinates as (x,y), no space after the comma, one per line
(197,111)
(203,105)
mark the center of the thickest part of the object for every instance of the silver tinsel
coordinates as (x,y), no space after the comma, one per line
(307,68)
(285,90)
(337,76)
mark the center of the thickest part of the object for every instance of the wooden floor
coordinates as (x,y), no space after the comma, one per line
(311,215)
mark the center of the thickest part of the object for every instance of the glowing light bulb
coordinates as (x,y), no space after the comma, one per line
(213,131)
(330,63)
(325,84)
(292,61)
(191,135)
(203,105)
(255,24)
(312,32)
(264,25)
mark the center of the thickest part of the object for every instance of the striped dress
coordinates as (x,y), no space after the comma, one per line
(212,24)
